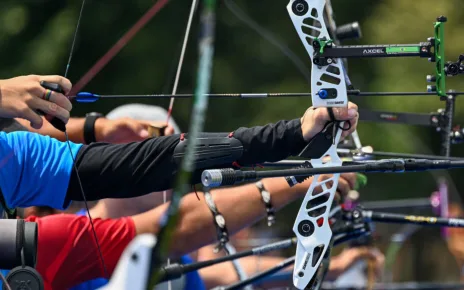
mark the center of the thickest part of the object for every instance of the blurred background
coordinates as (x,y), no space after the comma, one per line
(35,38)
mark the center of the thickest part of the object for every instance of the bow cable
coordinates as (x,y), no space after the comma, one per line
(105,270)
(200,105)
(175,86)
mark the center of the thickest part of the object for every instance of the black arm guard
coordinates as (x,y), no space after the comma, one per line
(213,149)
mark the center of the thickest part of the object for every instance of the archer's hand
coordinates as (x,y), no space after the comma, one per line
(346,182)
(349,256)
(125,130)
(314,120)
(22,97)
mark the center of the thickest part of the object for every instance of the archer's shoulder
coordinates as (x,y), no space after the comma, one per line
(34,141)
(23,137)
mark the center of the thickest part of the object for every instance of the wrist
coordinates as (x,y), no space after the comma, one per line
(99,126)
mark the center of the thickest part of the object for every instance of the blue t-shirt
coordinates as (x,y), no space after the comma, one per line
(35,169)
(193,280)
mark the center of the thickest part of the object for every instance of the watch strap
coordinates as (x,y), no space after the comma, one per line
(89,128)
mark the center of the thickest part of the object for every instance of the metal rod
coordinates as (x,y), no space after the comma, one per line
(385,217)
(397,204)
(447,129)
(409,155)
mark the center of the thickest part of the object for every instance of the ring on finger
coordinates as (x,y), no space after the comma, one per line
(46,96)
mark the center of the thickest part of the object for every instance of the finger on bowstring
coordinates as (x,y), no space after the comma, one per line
(65,84)
(51,109)
(34,118)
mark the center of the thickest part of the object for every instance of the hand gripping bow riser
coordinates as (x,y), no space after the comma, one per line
(329,89)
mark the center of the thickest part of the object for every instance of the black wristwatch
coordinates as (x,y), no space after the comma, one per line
(89,127)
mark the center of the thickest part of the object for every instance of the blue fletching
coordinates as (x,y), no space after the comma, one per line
(84,97)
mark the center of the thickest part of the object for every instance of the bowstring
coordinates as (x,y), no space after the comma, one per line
(176,84)
(200,105)
(181,58)
(71,53)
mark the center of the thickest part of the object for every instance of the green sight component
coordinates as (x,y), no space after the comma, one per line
(439,55)
(322,44)
(402,49)
(361,181)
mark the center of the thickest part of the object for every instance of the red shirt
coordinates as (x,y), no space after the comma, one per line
(67,253)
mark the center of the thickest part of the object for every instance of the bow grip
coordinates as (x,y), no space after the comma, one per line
(320,143)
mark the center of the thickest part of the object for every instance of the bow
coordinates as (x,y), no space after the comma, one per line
(328,84)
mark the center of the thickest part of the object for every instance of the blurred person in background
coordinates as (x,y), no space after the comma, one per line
(339,264)
(455,237)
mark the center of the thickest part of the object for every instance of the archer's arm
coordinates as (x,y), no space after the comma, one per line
(77,259)
(74,128)
(241,206)
(134,169)
(121,130)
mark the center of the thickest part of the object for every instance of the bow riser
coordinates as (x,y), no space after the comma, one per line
(312,227)
(328,86)
(327,82)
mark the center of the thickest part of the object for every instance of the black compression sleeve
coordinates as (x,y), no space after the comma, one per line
(134,169)
(273,142)
(124,170)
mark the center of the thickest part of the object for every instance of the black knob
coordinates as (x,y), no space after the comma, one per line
(349,31)
(306,228)
(442,18)
(300,7)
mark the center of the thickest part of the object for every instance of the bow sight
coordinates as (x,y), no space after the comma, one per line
(325,53)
